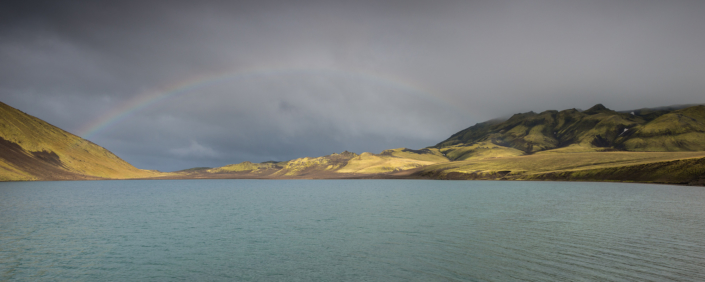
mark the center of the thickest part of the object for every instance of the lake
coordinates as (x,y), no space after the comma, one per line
(350,230)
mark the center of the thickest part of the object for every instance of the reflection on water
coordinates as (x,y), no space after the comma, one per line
(381,230)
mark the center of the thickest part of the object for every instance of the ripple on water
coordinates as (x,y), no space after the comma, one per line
(351,230)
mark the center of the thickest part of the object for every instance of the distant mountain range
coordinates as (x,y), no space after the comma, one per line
(660,145)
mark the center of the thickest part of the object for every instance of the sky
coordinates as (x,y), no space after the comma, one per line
(172,85)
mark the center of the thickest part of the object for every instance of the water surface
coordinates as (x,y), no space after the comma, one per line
(350,230)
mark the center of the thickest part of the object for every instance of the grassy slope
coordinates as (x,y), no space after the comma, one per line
(571,143)
(368,163)
(64,155)
(307,166)
(341,165)
(480,150)
(427,154)
(532,166)
(684,171)
(244,166)
(680,130)
(8,172)
(595,129)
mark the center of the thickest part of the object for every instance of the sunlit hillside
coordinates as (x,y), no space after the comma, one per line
(343,165)
(32,149)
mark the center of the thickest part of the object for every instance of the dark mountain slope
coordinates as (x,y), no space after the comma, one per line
(597,128)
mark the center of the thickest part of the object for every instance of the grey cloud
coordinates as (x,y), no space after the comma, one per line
(378,74)
(194,150)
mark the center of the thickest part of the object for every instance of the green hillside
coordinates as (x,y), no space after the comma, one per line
(679,130)
(596,129)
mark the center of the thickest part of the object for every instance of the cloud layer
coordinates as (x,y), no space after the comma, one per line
(309,78)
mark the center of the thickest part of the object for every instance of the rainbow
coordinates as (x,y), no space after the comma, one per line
(140,102)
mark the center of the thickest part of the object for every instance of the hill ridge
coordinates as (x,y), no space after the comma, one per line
(33,149)
(597,128)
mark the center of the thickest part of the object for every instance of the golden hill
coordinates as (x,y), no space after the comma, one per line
(343,165)
(662,146)
(32,149)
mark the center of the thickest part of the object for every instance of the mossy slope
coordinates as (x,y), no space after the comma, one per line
(32,149)
(680,130)
(596,129)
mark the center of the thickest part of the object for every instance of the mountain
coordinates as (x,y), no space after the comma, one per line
(389,163)
(596,129)
(661,145)
(32,149)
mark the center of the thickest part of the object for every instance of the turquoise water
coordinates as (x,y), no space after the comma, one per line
(350,230)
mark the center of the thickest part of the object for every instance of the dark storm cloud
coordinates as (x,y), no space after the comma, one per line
(363,75)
